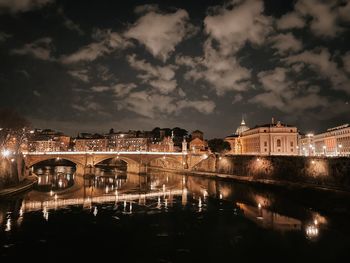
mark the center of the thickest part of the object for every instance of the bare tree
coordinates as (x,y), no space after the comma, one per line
(12,127)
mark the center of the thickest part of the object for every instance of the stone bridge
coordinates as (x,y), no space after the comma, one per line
(137,162)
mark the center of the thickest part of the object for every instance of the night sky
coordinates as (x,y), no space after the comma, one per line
(94,65)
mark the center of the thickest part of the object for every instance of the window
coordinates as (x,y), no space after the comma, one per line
(265,144)
(291,144)
(265,150)
(278,143)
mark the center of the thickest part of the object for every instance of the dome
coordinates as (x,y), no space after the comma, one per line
(242,128)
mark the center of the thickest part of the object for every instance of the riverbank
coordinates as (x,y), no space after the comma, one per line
(327,199)
(25,185)
(251,180)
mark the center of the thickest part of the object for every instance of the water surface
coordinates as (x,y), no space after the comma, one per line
(164,217)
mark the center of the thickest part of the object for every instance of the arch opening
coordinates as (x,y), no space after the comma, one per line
(54,174)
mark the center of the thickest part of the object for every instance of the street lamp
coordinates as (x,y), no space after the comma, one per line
(340,147)
(324,150)
(5,153)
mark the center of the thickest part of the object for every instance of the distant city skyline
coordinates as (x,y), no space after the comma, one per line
(88,66)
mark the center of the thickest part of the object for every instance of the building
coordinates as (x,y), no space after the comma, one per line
(306,146)
(90,142)
(197,134)
(166,145)
(140,141)
(267,139)
(197,143)
(234,139)
(334,142)
(47,141)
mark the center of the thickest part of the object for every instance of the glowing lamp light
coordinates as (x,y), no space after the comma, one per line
(258,159)
(313,162)
(5,153)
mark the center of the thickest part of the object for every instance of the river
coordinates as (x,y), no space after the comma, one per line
(164,217)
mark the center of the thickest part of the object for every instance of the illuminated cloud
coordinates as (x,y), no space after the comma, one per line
(285,43)
(40,49)
(233,26)
(160,33)
(106,43)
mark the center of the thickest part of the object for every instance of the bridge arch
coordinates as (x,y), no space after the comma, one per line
(33,161)
(133,166)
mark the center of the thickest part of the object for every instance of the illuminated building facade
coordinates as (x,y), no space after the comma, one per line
(90,142)
(197,143)
(334,142)
(47,141)
(268,139)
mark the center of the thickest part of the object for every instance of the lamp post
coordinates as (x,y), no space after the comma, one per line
(324,150)
(340,147)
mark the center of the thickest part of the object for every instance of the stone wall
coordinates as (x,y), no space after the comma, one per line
(333,172)
(12,171)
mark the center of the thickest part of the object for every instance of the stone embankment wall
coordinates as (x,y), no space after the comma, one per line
(334,172)
(12,171)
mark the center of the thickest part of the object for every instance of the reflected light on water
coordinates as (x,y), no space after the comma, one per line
(95,211)
(8,224)
(158,203)
(45,213)
(311,231)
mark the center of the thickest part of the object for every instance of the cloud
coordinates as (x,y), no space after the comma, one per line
(232,26)
(81,74)
(291,20)
(40,49)
(324,16)
(285,43)
(36,93)
(4,36)
(223,73)
(160,33)
(285,94)
(70,24)
(15,6)
(123,89)
(162,78)
(344,11)
(153,105)
(140,9)
(238,97)
(119,90)
(107,42)
(100,88)
(320,61)
(202,106)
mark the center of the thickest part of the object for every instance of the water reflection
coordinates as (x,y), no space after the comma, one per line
(53,178)
(158,192)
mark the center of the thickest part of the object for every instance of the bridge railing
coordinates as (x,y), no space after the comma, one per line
(104,153)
